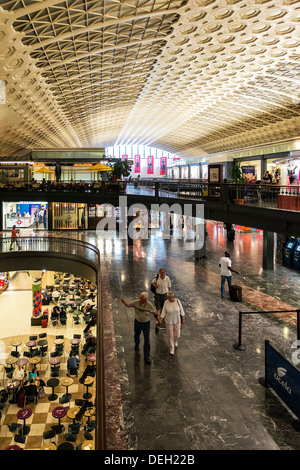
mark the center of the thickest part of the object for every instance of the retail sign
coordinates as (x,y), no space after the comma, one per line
(283,378)
(124,157)
(249,172)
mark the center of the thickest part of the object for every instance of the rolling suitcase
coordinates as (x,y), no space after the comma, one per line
(44,322)
(236,293)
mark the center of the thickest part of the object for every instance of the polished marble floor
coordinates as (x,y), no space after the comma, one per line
(206,397)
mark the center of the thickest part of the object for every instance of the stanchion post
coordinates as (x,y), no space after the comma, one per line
(239,344)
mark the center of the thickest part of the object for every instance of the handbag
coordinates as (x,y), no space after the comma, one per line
(152,287)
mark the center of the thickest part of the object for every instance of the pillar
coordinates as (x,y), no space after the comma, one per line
(268,250)
(37,296)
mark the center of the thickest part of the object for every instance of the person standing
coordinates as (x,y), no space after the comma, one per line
(14,239)
(226,270)
(162,285)
(143,310)
(174,316)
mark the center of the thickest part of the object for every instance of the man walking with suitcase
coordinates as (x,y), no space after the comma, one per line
(226,270)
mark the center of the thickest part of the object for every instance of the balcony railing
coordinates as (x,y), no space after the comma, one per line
(266,195)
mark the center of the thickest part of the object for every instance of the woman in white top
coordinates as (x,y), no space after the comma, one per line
(173,314)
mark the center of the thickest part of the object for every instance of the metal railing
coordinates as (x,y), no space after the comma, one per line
(87,251)
(266,195)
(239,344)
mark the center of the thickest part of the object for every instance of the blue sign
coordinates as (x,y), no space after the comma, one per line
(284,378)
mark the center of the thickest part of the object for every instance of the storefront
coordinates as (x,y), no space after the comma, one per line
(285,172)
(69,216)
(97,212)
(25,214)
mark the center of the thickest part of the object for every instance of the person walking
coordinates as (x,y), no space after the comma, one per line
(226,270)
(174,316)
(162,285)
(14,239)
(143,310)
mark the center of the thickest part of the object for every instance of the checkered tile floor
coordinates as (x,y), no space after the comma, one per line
(41,418)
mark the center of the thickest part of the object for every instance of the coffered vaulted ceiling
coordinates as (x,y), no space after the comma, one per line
(191,77)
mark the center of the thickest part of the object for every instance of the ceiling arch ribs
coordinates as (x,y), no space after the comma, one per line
(175,73)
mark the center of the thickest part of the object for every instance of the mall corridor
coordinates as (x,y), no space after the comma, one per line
(206,397)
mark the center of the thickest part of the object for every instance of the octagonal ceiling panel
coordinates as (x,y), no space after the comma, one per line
(187,76)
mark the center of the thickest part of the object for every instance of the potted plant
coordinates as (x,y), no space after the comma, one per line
(239,178)
(120,168)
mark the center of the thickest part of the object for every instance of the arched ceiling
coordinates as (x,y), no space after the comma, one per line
(191,77)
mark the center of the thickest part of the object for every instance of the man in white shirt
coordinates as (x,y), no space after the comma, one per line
(226,270)
(162,285)
(18,373)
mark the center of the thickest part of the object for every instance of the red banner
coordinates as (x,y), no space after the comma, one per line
(137,163)
(163,166)
(150,165)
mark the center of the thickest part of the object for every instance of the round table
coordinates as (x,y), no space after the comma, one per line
(43,342)
(54,382)
(65,446)
(58,341)
(89,412)
(15,344)
(66,382)
(50,446)
(59,412)
(54,360)
(91,358)
(34,360)
(13,447)
(13,386)
(88,445)
(11,360)
(30,344)
(75,341)
(88,382)
(23,361)
(72,412)
(24,413)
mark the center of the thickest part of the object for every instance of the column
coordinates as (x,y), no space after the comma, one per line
(37,296)
(268,250)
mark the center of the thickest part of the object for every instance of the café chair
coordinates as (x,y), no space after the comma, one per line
(48,435)
(14,427)
(90,425)
(58,428)
(27,354)
(35,351)
(63,318)
(19,439)
(74,428)
(88,436)
(30,398)
(9,371)
(69,437)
